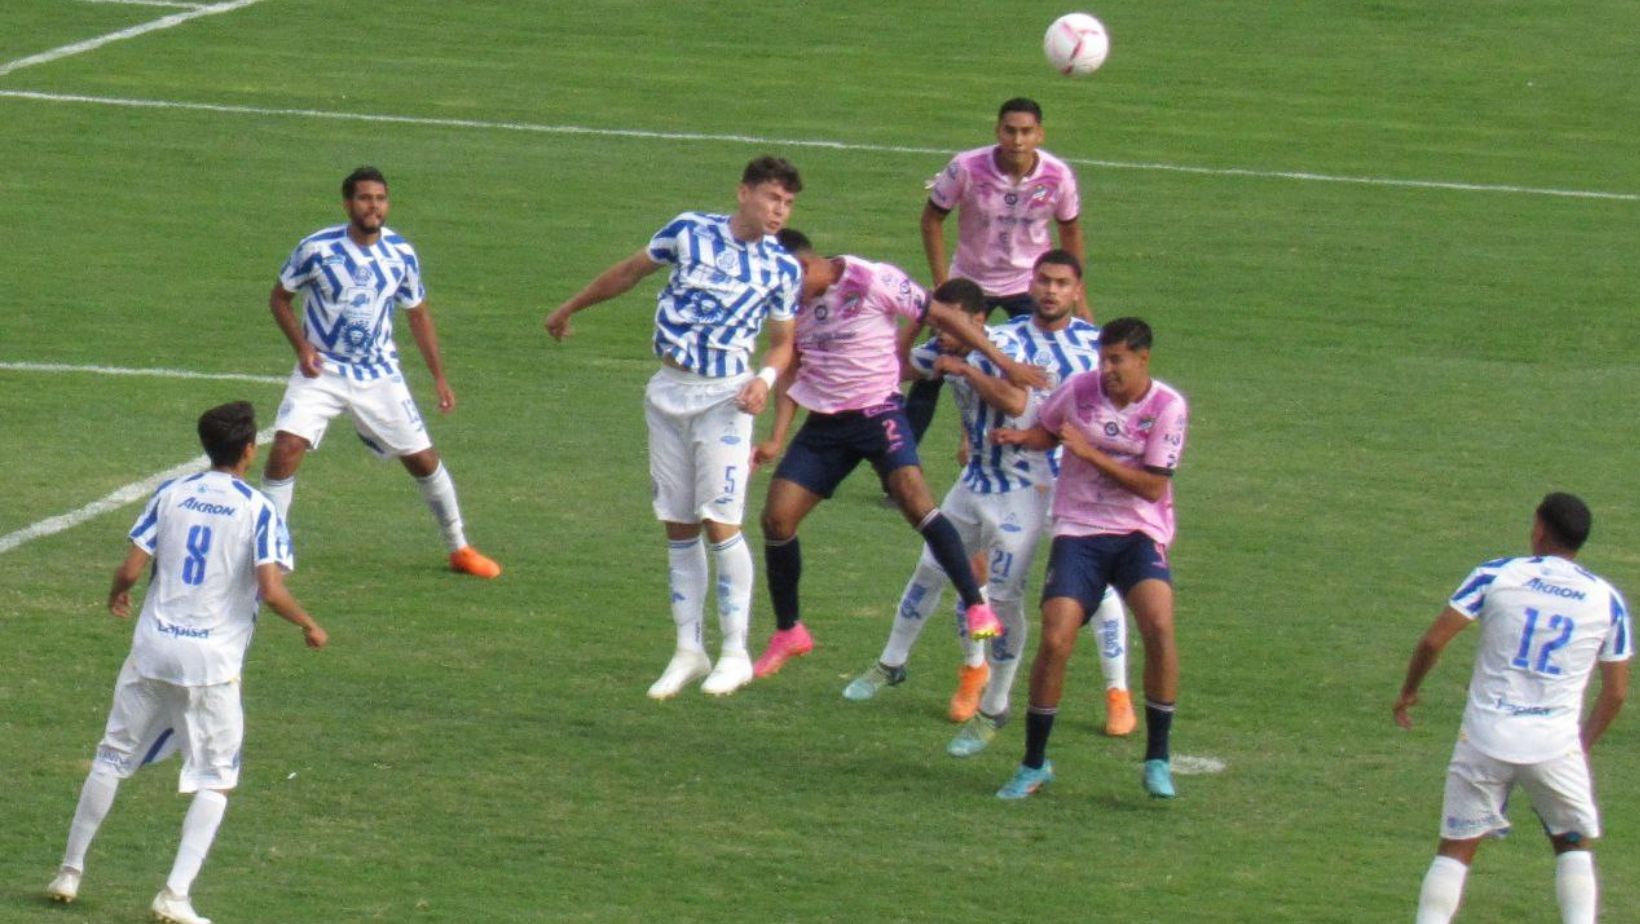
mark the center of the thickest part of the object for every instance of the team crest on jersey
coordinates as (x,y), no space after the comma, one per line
(1145,423)
(1011,199)
(727,261)
(1112,428)
(851,304)
(1040,194)
(362,275)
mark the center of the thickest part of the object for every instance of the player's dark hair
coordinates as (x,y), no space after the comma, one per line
(1020,104)
(795,241)
(1566,519)
(964,293)
(773,170)
(361,175)
(1132,333)
(1060,257)
(225,431)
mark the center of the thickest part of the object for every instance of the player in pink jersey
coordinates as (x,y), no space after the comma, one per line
(1123,433)
(847,376)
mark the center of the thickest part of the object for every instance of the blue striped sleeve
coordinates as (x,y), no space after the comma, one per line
(1471,594)
(663,247)
(145,532)
(1620,642)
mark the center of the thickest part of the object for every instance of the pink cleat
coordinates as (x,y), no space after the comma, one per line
(982,622)
(783,645)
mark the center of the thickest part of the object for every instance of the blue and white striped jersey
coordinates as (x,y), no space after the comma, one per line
(1545,622)
(991,469)
(348,297)
(708,314)
(1063,353)
(207,534)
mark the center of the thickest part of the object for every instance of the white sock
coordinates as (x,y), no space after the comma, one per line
(734,592)
(198,830)
(1110,621)
(1575,886)
(280,491)
(1004,654)
(440,494)
(686,575)
(919,601)
(973,651)
(1443,888)
(96,798)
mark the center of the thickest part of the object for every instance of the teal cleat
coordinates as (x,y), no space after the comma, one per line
(1027,780)
(1159,778)
(868,684)
(975,735)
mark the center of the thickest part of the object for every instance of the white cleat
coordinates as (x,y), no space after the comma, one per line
(733,671)
(65,887)
(172,908)
(685,668)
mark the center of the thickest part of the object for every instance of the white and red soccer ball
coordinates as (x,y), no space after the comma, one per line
(1076,44)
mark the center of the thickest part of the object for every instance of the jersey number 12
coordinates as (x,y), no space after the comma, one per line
(1549,642)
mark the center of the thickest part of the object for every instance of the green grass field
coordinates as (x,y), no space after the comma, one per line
(1385,379)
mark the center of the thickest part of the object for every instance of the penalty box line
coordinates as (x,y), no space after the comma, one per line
(136,490)
(648,135)
(143,28)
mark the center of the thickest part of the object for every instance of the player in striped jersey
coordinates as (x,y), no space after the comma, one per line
(1545,625)
(729,278)
(215,550)
(351,278)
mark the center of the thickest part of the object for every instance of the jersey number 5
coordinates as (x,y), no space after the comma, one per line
(193,567)
(1549,642)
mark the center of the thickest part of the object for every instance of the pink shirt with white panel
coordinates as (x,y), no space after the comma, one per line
(845,337)
(1147,433)
(1003,226)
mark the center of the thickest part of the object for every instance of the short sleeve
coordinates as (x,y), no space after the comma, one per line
(411,292)
(949,186)
(1069,206)
(273,539)
(300,268)
(663,247)
(783,300)
(1007,344)
(923,356)
(1619,644)
(1470,597)
(1165,444)
(902,296)
(145,532)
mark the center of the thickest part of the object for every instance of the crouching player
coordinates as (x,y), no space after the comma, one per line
(218,549)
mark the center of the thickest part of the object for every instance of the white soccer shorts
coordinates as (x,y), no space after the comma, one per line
(383,412)
(1477,790)
(1006,526)
(700,447)
(151,718)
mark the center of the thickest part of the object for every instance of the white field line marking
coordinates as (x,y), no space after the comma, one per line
(158,373)
(91,44)
(172,4)
(135,491)
(797,143)
(1192,765)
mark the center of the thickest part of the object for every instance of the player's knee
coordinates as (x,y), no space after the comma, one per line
(777,527)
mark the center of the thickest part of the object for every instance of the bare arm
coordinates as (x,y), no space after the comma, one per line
(421,327)
(282,303)
(1070,238)
(754,395)
(270,580)
(126,577)
(949,319)
(933,237)
(1424,657)
(1614,687)
(611,282)
(1147,484)
(1036,438)
(996,392)
(785,411)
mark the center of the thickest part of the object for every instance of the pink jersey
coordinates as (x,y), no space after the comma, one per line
(846,356)
(1003,226)
(1148,433)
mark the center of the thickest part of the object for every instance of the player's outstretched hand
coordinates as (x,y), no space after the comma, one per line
(1073,439)
(120,604)
(950,366)
(315,636)
(1403,706)
(765,453)
(1025,375)
(753,397)
(557,324)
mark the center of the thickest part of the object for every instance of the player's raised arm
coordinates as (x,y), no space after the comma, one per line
(610,283)
(995,391)
(426,334)
(949,320)
(1037,438)
(281,302)
(1424,657)
(270,582)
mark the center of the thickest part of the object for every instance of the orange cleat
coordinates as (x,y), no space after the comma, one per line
(1119,718)
(970,684)
(469,560)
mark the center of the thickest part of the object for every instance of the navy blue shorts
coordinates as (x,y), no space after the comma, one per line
(828,446)
(1080,567)
(1014,306)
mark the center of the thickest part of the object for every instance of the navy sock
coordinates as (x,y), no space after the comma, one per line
(947,549)
(1038,726)
(1158,725)
(783,561)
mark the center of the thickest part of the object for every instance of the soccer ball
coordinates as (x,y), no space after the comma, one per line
(1076,44)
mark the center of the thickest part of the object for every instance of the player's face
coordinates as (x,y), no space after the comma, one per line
(816,274)
(1019,134)
(367,208)
(1124,373)
(1055,289)
(766,206)
(950,344)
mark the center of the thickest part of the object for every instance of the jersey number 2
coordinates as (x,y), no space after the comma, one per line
(193,567)
(1551,642)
